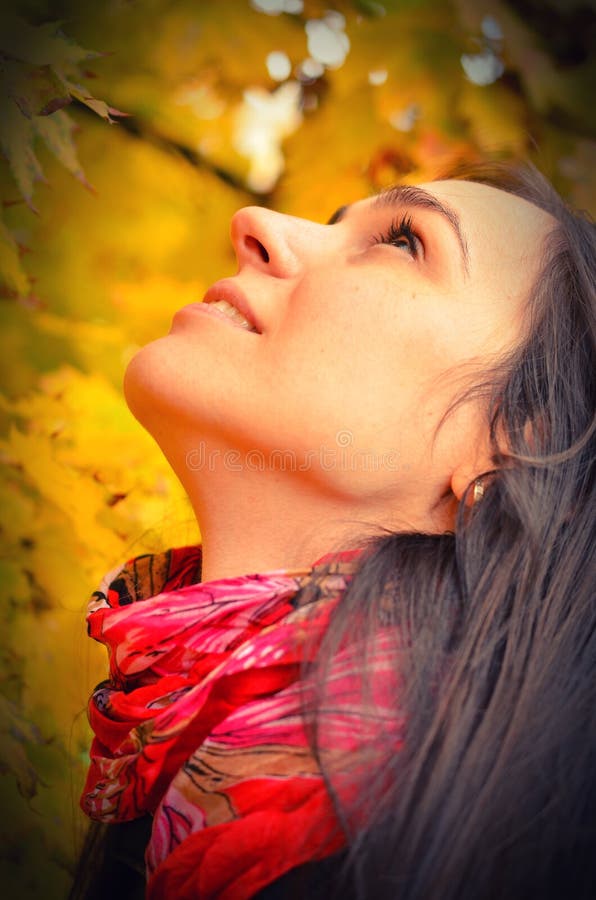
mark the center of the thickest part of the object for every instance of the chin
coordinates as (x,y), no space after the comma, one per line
(168,392)
(145,382)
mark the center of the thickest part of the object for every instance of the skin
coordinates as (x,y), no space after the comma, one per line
(363,347)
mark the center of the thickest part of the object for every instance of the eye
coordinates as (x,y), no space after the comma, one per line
(401,234)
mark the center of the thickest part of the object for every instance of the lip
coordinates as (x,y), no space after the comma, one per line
(227,290)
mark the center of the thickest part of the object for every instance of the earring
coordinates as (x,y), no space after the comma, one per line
(478,492)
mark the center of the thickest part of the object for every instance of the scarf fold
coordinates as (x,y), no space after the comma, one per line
(200,723)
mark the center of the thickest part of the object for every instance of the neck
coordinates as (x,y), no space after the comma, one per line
(251,529)
(261,520)
(258,521)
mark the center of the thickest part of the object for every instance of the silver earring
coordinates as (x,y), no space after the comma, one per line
(478,492)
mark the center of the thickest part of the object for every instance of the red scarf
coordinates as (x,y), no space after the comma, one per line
(200,722)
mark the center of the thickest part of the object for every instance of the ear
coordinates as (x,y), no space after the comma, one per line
(462,480)
(466,472)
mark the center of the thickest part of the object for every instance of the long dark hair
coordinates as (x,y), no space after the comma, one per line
(493,793)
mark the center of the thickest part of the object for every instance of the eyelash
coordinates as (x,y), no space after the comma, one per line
(399,231)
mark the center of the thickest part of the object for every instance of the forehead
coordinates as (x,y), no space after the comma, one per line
(506,234)
(483,204)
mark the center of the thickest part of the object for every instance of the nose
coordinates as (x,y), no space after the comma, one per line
(272,242)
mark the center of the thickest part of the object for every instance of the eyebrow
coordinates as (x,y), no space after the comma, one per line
(418,198)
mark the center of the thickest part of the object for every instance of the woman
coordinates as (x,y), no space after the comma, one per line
(406,398)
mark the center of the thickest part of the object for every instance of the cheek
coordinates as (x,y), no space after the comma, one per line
(353,358)
(368,329)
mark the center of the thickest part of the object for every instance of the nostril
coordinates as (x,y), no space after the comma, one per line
(252,244)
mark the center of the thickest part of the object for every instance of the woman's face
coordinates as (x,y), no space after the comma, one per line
(366,330)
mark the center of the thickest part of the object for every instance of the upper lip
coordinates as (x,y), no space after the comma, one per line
(229,291)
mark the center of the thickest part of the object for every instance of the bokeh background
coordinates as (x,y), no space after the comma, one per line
(111,222)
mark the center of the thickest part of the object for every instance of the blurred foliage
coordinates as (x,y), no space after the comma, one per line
(299,105)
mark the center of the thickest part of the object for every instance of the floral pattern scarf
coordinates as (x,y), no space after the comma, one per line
(200,722)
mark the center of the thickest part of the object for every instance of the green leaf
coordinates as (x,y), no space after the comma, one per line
(15,733)
(42,45)
(56,132)
(16,141)
(35,90)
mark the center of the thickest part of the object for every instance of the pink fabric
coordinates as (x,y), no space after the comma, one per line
(200,722)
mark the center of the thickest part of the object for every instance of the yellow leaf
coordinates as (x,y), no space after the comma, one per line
(77,498)
(11,272)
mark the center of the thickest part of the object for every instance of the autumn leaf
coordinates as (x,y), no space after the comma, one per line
(15,733)
(56,132)
(37,64)
(12,275)
(98,106)
(37,90)
(41,45)
(16,141)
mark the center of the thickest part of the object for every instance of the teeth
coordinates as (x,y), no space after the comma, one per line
(232,312)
